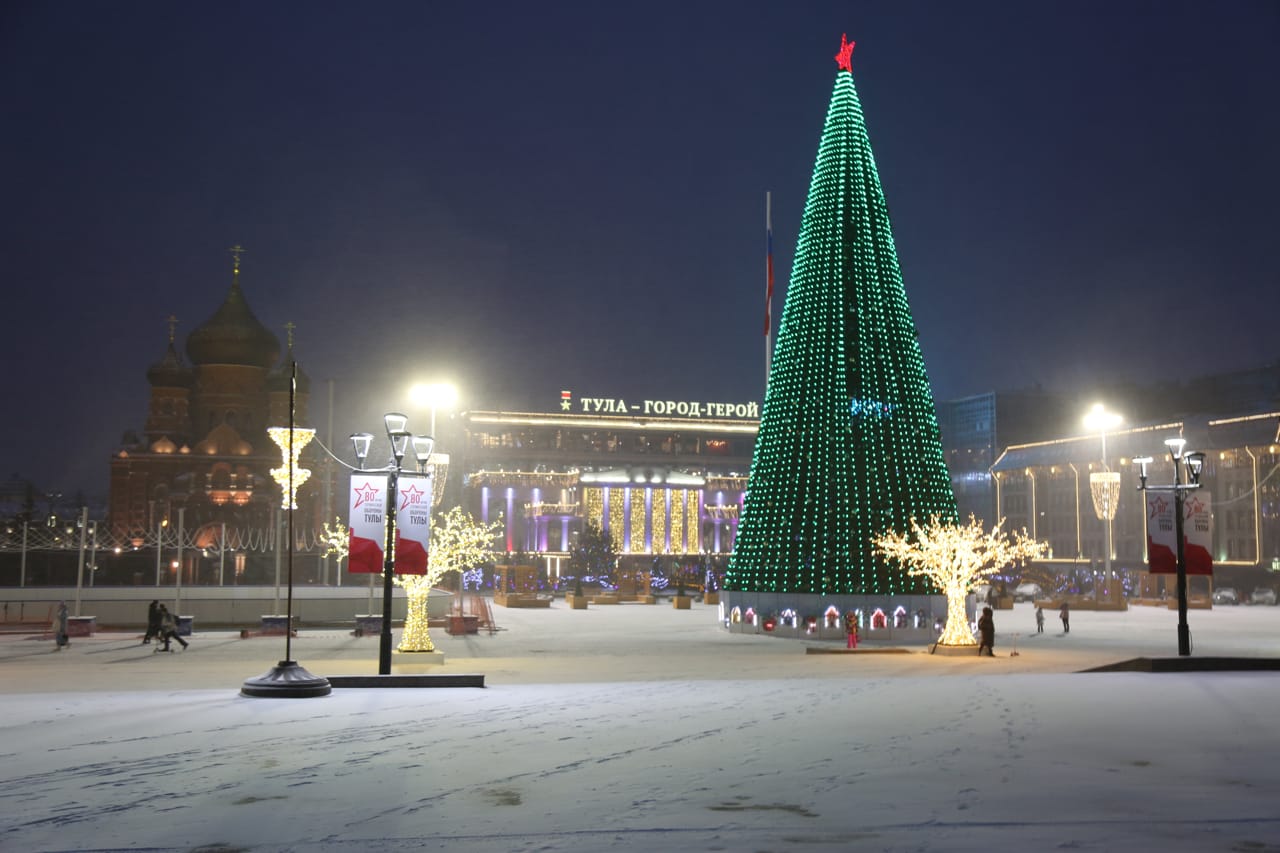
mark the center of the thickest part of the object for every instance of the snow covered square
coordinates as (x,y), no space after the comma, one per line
(647,728)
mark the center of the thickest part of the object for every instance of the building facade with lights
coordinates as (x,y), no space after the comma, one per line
(662,477)
(1044,487)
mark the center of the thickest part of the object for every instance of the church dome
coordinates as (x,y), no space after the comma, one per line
(170,371)
(233,335)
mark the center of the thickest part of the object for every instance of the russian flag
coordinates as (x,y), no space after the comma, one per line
(768,293)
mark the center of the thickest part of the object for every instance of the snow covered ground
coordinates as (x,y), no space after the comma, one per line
(646,728)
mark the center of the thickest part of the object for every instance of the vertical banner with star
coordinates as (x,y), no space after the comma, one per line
(1197,533)
(413,524)
(367,523)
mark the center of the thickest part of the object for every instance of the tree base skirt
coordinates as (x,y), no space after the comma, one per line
(954,651)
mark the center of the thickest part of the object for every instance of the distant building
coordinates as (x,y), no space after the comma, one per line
(661,478)
(1044,486)
(974,431)
(203,447)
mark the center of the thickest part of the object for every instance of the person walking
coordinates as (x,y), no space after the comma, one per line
(987,633)
(1065,615)
(1039,620)
(60,626)
(169,630)
(153,621)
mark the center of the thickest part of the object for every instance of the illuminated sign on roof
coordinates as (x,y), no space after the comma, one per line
(658,408)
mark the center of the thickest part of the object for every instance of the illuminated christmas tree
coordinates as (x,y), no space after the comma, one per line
(848,447)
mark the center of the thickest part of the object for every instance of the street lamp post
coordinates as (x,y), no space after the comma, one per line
(1105,485)
(399,437)
(1194,463)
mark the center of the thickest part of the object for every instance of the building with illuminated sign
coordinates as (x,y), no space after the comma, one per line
(662,477)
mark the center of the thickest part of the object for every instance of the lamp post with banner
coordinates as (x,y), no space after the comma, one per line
(1194,464)
(368,513)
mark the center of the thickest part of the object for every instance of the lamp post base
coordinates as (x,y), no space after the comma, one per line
(286,680)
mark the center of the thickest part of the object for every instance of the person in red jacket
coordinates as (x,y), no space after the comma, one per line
(851,629)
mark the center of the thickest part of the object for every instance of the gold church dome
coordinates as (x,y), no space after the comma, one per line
(233,335)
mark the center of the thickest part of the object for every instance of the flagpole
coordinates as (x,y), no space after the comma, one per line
(768,292)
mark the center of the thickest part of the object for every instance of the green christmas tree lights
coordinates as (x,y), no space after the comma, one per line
(848,446)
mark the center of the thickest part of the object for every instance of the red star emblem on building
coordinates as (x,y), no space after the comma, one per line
(411,496)
(1158,506)
(366,495)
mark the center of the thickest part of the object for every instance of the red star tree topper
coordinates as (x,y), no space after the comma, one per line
(844,59)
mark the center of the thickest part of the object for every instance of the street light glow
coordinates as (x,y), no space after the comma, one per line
(436,395)
(1098,419)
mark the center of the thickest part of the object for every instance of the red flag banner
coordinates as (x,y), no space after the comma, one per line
(768,264)
(367,523)
(413,524)
(1197,533)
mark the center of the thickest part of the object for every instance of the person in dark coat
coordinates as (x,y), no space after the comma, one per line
(169,629)
(987,632)
(1065,615)
(1039,620)
(60,626)
(153,621)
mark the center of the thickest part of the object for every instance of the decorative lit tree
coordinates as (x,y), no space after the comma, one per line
(337,540)
(956,557)
(594,555)
(848,445)
(458,543)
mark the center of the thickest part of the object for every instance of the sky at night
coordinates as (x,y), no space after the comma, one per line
(525,198)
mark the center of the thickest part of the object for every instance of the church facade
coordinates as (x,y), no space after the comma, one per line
(203,449)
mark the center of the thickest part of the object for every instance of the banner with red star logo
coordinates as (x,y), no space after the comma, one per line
(1197,533)
(368,523)
(413,524)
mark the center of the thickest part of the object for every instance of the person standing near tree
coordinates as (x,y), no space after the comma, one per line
(987,632)
(851,630)
(1065,615)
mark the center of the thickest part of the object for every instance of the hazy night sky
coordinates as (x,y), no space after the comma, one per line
(529,197)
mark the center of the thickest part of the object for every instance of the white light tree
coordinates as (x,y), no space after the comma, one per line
(337,540)
(458,543)
(956,557)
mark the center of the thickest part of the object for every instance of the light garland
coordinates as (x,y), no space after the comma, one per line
(849,445)
(289,483)
(956,557)
(458,543)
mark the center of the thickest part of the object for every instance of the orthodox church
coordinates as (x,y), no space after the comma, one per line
(204,447)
